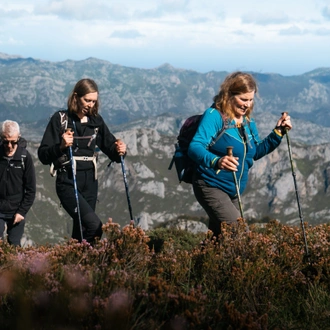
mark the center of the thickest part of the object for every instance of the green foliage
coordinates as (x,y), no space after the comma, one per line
(170,279)
(177,238)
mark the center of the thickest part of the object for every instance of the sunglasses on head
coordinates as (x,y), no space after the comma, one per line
(6,142)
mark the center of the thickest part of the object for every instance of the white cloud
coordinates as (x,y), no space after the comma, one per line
(193,34)
(114,10)
(322,32)
(243,33)
(13,41)
(292,31)
(161,8)
(126,34)
(326,12)
(173,5)
(297,31)
(12,13)
(81,10)
(265,18)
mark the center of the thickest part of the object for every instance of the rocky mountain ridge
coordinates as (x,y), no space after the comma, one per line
(146,108)
(157,197)
(31,90)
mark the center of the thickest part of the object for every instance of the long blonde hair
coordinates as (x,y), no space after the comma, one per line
(235,83)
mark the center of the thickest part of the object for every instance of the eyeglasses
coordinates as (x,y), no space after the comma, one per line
(6,142)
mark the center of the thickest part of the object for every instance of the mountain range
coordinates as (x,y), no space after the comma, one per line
(146,108)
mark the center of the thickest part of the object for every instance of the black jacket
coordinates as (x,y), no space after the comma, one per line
(17,181)
(49,149)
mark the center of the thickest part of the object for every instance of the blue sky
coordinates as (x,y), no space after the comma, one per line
(288,37)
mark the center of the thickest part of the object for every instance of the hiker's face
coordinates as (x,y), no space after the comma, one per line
(10,143)
(241,103)
(86,103)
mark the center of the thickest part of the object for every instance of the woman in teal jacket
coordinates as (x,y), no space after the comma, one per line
(213,183)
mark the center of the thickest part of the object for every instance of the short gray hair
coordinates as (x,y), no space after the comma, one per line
(10,127)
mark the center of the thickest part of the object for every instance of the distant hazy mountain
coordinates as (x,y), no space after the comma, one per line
(32,89)
(145,108)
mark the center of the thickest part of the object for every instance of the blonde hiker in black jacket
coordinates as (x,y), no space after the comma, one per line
(79,130)
(17,182)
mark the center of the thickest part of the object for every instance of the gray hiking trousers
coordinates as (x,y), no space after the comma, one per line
(217,204)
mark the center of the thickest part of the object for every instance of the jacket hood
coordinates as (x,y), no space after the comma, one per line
(22,142)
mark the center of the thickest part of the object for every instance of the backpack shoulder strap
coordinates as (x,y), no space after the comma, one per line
(23,158)
(248,123)
(225,125)
(64,119)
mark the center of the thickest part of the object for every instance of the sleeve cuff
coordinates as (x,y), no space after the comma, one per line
(214,162)
(278,132)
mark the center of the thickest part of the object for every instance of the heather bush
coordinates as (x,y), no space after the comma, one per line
(170,279)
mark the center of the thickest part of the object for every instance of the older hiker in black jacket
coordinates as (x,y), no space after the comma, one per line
(17,182)
(79,130)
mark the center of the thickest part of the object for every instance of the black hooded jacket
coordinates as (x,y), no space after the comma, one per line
(85,140)
(17,180)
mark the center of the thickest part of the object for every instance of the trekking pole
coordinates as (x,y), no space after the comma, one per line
(75,188)
(296,188)
(126,186)
(230,154)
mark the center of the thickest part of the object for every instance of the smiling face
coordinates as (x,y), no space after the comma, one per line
(241,103)
(10,143)
(236,95)
(86,104)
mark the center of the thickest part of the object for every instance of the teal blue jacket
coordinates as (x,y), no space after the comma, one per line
(247,150)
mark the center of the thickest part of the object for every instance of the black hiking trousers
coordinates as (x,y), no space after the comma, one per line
(87,195)
(14,231)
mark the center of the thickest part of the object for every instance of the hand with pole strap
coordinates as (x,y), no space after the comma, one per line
(286,117)
(230,154)
(284,123)
(67,139)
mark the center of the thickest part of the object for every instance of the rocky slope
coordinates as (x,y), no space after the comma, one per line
(156,196)
(145,108)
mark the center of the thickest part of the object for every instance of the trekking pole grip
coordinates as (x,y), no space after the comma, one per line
(121,154)
(285,113)
(230,151)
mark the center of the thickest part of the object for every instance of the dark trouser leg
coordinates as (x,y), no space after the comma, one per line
(93,227)
(15,232)
(2,227)
(88,187)
(87,195)
(217,204)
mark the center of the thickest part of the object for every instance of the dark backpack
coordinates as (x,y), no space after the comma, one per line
(184,165)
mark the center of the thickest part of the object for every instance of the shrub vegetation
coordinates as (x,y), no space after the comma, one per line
(170,279)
